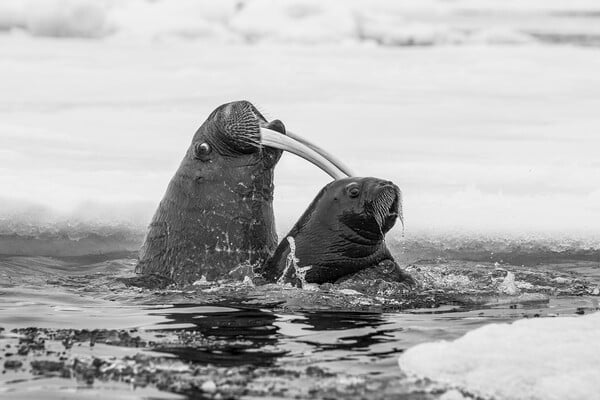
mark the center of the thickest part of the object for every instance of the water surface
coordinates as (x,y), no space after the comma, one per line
(102,337)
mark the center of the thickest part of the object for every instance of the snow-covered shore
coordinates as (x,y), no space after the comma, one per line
(483,138)
(480,139)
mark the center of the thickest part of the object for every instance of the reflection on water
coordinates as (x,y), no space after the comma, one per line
(90,317)
(237,337)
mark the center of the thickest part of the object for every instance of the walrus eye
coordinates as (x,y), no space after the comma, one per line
(353,191)
(202,150)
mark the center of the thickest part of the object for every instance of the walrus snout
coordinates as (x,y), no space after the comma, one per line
(237,128)
(245,130)
(395,210)
(388,190)
(384,203)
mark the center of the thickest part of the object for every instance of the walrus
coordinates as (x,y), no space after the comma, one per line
(217,212)
(341,233)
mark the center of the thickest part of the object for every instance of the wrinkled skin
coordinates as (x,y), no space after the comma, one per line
(217,212)
(341,233)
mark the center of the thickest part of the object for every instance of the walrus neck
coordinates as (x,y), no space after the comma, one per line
(362,237)
(186,195)
(345,259)
(205,228)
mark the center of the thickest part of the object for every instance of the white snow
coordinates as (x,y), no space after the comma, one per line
(309,21)
(385,22)
(534,359)
(479,138)
(482,138)
(56,18)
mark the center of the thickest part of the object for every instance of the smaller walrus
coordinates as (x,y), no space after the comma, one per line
(341,233)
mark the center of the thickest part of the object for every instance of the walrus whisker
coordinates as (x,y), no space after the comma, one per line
(249,139)
(400,211)
(262,112)
(277,140)
(381,231)
(382,204)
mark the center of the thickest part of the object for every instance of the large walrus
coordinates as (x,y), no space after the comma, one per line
(217,212)
(341,233)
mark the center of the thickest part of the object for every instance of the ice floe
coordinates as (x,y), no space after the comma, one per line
(541,358)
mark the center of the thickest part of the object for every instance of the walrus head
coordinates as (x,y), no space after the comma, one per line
(341,232)
(217,212)
(371,206)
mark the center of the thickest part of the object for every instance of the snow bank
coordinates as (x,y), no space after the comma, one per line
(384,22)
(57,18)
(309,21)
(550,358)
(187,19)
(498,141)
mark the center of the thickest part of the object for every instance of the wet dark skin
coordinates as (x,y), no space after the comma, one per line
(217,218)
(342,234)
(217,212)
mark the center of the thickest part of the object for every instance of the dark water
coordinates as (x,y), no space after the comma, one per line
(70,328)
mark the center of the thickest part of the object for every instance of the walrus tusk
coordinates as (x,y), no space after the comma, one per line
(277,140)
(334,160)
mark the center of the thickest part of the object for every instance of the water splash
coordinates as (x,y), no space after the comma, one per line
(290,262)
(508,285)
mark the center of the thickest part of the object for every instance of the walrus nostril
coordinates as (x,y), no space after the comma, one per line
(276,125)
(386,184)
